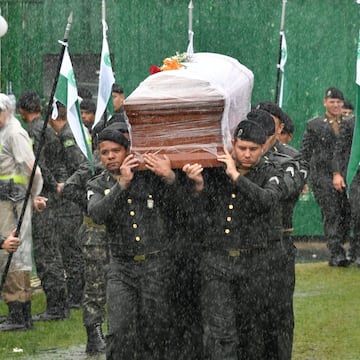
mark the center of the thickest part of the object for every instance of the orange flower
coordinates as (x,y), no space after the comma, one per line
(171,64)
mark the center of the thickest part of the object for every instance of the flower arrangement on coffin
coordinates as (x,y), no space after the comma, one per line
(170,63)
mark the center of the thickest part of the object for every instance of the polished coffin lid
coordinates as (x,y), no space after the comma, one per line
(189,114)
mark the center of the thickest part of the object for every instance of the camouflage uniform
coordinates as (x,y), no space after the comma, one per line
(94,248)
(47,254)
(70,219)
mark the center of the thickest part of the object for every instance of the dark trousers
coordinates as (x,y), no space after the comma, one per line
(280,329)
(69,220)
(48,257)
(186,304)
(139,320)
(234,305)
(335,210)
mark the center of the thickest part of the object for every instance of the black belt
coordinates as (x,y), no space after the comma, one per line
(139,257)
(244,251)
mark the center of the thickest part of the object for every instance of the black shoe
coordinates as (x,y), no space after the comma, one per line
(95,339)
(8,325)
(15,320)
(46,316)
(339,260)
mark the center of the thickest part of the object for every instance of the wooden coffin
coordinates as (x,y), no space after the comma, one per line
(187,132)
(181,114)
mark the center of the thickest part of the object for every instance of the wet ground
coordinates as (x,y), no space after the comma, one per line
(306,252)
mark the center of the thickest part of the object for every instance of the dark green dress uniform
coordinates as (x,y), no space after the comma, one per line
(70,219)
(282,262)
(47,253)
(242,227)
(340,162)
(318,145)
(139,222)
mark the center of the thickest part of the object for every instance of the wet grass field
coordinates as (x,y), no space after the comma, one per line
(327,317)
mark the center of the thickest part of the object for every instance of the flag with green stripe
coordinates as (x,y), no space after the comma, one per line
(355,147)
(66,93)
(106,81)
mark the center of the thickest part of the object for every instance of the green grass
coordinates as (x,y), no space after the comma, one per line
(45,336)
(327,316)
(327,319)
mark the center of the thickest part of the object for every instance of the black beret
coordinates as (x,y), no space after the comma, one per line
(117,88)
(250,131)
(115,135)
(348,105)
(334,93)
(264,119)
(289,126)
(271,108)
(88,105)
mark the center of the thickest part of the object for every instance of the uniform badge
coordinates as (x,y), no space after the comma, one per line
(150,202)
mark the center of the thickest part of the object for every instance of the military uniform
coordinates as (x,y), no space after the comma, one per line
(93,240)
(47,253)
(139,224)
(317,148)
(70,219)
(340,161)
(242,227)
(282,274)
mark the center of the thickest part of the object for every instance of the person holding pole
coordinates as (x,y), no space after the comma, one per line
(16,164)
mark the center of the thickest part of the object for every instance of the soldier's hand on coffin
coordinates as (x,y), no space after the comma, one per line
(126,170)
(194,172)
(11,243)
(160,165)
(230,164)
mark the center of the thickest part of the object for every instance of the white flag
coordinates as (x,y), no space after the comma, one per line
(66,93)
(106,79)
(282,66)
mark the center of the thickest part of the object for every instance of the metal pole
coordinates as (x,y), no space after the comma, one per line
(282,25)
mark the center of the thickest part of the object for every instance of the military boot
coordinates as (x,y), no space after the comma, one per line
(15,320)
(95,339)
(27,315)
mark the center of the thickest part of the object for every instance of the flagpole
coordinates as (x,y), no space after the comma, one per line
(282,25)
(41,144)
(103,21)
(190,49)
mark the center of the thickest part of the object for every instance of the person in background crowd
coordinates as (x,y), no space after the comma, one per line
(240,215)
(138,209)
(87,111)
(318,145)
(47,250)
(70,213)
(341,158)
(119,115)
(347,108)
(287,132)
(16,164)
